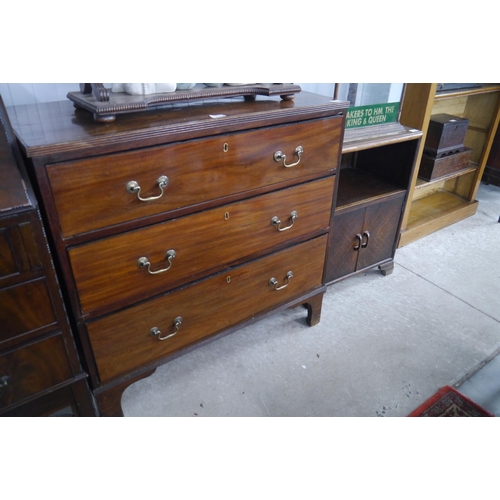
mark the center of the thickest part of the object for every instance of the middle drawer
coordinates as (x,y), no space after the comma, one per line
(122,269)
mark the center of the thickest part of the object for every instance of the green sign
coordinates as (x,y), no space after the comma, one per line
(374,114)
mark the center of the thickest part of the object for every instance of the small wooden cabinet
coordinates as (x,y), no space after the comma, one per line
(373,183)
(182,223)
(40,372)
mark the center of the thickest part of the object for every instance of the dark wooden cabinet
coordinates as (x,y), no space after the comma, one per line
(183,223)
(373,184)
(40,372)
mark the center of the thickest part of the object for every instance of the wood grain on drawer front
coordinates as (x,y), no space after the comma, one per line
(18,249)
(91,194)
(122,342)
(25,308)
(106,271)
(33,369)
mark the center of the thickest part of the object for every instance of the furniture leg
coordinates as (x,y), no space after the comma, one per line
(83,402)
(110,400)
(387,268)
(314,305)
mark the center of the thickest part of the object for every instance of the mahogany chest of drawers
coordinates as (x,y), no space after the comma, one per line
(183,223)
(40,372)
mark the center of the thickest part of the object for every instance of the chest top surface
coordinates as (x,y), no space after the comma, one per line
(58,130)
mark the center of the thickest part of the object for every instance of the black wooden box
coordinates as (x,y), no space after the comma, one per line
(445,135)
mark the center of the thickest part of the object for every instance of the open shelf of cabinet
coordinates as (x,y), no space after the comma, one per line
(377,165)
(358,187)
(441,202)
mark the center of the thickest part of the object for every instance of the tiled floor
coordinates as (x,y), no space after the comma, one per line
(383,347)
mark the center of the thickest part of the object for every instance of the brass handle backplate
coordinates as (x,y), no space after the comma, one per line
(276,222)
(279,156)
(144,262)
(155,331)
(133,187)
(274,282)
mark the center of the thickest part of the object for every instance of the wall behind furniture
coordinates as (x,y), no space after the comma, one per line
(30,93)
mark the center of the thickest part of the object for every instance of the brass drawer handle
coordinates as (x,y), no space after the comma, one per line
(155,332)
(144,262)
(274,282)
(133,187)
(276,222)
(279,156)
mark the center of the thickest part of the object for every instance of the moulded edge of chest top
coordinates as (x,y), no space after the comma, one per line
(50,140)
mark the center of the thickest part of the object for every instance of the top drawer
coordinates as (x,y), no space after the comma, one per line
(92,193)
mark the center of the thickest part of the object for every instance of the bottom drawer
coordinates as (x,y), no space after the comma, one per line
(124,341)
(32,369)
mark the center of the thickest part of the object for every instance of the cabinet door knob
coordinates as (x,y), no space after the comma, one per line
(276,222)
(274,282)
(365,244)
(133,187)
(279,156)
(144,262)
(155,331)
(360,242)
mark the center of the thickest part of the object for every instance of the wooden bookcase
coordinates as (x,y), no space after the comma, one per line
(433,205)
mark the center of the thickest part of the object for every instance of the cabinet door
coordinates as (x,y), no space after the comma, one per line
(380,226)
(344,244)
